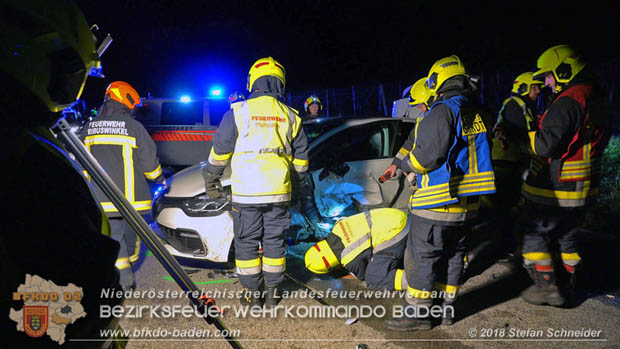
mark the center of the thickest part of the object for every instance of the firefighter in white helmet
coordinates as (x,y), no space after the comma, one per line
(263,139)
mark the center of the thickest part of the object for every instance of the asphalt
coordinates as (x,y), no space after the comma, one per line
(489,311)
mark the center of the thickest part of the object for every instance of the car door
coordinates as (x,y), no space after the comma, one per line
(345,169)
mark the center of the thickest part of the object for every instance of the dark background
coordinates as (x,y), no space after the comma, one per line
(168,48)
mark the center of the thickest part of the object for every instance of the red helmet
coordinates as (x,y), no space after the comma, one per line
(122,92)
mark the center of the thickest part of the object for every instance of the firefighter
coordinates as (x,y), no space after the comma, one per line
(129,156)
(263,139)
(313,108)
(452,158)
(517,116)
(419,97)
(382,232)
(51,227)
(572,137)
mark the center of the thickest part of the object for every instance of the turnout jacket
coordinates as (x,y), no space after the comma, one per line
(452,158)
(572,137)
(262,138)
(371,245)
(518,118)
(126,152)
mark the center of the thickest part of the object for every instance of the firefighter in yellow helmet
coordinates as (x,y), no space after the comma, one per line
(264,142)
(128,154)
(573,134)
(452,159)
(419,97)
(312,108)
(53,228)
(383,234)
(517,116)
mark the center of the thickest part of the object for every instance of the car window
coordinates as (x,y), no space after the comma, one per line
(182,113)
(403,129)
(357,143)
(316,128)
(217,108)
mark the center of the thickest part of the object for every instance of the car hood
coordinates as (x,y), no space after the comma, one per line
(189,181)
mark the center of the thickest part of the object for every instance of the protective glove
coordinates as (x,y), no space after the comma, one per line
(212,183)
(298,181)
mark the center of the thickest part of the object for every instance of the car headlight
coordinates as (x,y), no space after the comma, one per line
(204,205)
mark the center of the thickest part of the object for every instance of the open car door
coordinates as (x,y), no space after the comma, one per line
(345,169)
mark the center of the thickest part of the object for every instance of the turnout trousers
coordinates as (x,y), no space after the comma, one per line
(123,233)
(385,269)
(547,225)
(436,252)
(263,224)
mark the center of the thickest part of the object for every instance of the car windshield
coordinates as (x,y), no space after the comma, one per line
(315,128)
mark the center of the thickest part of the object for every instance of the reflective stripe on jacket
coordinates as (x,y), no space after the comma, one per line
(377,229)
(467,170)
(263,153)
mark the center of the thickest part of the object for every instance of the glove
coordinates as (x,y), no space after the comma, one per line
(212,185)
(298,181)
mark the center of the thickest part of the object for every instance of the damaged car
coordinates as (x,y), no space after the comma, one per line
(347,158)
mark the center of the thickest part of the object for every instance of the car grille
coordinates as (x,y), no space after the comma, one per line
(183,240)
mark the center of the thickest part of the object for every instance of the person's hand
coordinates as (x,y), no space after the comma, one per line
(388,173)
(211,185)
(500,134)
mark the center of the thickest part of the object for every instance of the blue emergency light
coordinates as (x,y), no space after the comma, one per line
(185,99)
(216,91)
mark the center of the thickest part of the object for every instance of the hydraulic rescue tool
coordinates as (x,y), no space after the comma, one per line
(97,173)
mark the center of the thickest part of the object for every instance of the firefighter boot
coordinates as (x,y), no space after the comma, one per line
(272,297)
(447,318)
(413,318)
(544,290)
(251,298)
(570,284)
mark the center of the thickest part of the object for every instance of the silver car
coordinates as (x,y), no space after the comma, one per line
(347,157)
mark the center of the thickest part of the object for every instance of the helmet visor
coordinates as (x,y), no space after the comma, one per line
(431,82)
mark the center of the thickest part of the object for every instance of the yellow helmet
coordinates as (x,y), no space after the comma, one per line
(48,48)
(561,61)
(523,83)
(443,70)
(419,93)
(265,67)
(320,258)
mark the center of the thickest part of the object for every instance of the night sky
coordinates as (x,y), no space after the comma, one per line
(170,47)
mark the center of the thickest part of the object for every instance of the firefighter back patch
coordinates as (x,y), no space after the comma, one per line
(476,127)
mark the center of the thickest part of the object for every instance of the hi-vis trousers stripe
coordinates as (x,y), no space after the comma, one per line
(400,280)
(248,267)
(274,265)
